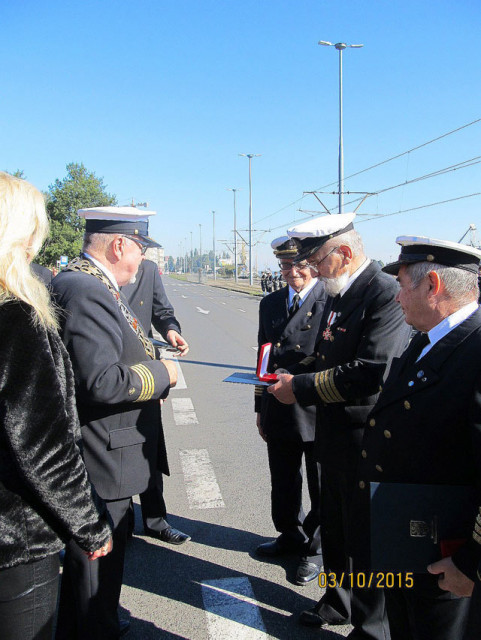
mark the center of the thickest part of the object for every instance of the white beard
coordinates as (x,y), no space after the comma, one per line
(335,285)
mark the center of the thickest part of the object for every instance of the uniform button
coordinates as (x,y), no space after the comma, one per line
(380,388)
(407,404)
(297,347)
(309,314)
(141,302)
(387,434)
(379,468)
(362,484)
(323,357)
(278,344)
(372,422)
(131,391)
(364,453)
(308,326)
(275,365)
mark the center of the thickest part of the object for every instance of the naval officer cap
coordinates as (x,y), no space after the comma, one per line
(284,247)
(311,235)
(128,221)
(422,249)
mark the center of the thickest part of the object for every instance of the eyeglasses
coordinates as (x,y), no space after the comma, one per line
(143,247)
(314,266)
(287,266)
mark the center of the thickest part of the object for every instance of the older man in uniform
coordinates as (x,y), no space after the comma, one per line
(290,319)
(119,385)
(426,426)
(362,331)
(148,300)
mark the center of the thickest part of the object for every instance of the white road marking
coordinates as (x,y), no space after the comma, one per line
(184,296)
(232,610)
(184,411)
(180,376)
(200,482)
(241,310)
(255,348)
(202,310)
(222,302)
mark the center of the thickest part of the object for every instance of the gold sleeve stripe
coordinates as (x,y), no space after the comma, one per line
(258,390)
(326,388)
(147,382)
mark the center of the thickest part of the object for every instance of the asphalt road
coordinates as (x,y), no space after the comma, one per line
(214,587)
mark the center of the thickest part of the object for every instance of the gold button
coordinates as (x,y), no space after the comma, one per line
(308,326)
(278,344)
(387,434)
(323,357)
(372,422)
(275,365)
(407,404)
(379,468)
(297,347)
(362,484)
(309,314)
(364,453)
(131,391)
(380,388)
(141,302)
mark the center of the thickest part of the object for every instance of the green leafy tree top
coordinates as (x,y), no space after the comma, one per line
(79,189)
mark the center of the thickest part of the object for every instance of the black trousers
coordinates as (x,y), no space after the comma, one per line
(364,608)
(28,599)
(285,464)
(426,612)
(90,590)
(153,507)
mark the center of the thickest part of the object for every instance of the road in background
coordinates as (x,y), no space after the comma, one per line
(214,587)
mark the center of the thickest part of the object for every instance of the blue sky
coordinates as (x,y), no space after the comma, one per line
(159,98)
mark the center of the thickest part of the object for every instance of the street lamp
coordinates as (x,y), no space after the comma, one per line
(340,46)
(200,250)
(213,241)
(235,233)
(250,156)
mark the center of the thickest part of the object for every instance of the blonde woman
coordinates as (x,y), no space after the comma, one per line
(45,495)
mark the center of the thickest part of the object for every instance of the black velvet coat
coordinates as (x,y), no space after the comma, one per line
(45,495)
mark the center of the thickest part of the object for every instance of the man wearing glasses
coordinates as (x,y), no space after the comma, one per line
(289,319)
(119,384)
(362,330)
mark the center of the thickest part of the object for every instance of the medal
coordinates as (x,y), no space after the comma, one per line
(327,333)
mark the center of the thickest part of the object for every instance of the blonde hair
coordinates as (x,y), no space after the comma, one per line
(23,229)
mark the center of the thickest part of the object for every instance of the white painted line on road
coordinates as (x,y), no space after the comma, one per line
(255,348)
(184,411)
(241,310)
(200,310)
(200,482)
(180,376)
(232,610)
(222,302)
(184,296)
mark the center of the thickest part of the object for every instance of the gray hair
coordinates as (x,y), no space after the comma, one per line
(461,285)
(351,238)
(96,241)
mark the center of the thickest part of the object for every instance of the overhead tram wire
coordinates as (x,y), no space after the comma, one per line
(374,166)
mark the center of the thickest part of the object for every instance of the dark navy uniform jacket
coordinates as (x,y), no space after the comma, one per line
(148,299)
(117,386)
(352,360)
(293,340)
(426,426)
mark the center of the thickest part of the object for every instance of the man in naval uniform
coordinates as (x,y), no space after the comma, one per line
(290,320)
(426,426)
(148,300)
(363,330)
(119,385)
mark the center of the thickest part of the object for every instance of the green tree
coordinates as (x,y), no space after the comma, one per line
(79,189)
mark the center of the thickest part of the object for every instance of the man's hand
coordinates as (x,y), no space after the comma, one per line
(282,390)
(172,370)
(451,578)
(103,551)
(177,341)
(258,423)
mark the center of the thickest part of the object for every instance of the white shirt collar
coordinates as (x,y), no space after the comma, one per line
(303,293)
(451,322)
(104,269)
(355,275)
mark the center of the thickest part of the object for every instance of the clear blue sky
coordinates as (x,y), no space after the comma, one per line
(159,98)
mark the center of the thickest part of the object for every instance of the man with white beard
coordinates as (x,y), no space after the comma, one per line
(362,330)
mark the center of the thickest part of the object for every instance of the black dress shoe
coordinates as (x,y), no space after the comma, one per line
(306,572)
(124,627)
(273,549)
(312,618)
(170,535)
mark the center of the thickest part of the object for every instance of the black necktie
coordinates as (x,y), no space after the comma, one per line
(295,305)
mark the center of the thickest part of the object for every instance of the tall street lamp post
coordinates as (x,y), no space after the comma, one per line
(213,242)
(250,156)
(235,234)
(340,46)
